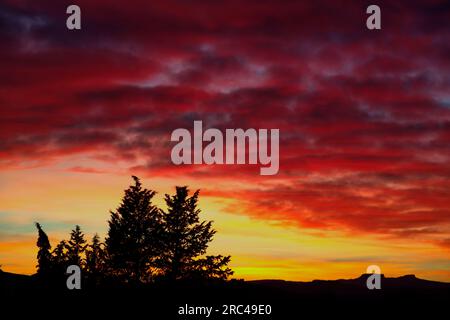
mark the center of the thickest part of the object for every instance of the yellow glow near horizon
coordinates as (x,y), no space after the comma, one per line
(260,249)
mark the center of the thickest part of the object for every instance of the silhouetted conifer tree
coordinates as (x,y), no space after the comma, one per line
(95,260)
(43,256)
(142,241)
(60,252)
(212,267)
(59,264)
(186,239)
(76,247)
(133,241)
(59,256)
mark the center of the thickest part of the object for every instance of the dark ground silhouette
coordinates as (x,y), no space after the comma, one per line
(402,296)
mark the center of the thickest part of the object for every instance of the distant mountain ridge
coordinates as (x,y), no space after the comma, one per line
(405,280)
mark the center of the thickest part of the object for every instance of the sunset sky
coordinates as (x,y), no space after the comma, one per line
(364,119)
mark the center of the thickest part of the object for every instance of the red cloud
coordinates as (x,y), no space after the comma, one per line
(370,111)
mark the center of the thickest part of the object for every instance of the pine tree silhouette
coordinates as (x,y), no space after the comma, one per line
(59,254)
(212,267)
(143,242)
(133,236)
(44,257)
(95,261)
(186,239)
(76,247)
(60,258)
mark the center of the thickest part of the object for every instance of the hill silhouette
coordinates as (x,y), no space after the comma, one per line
(405,295)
